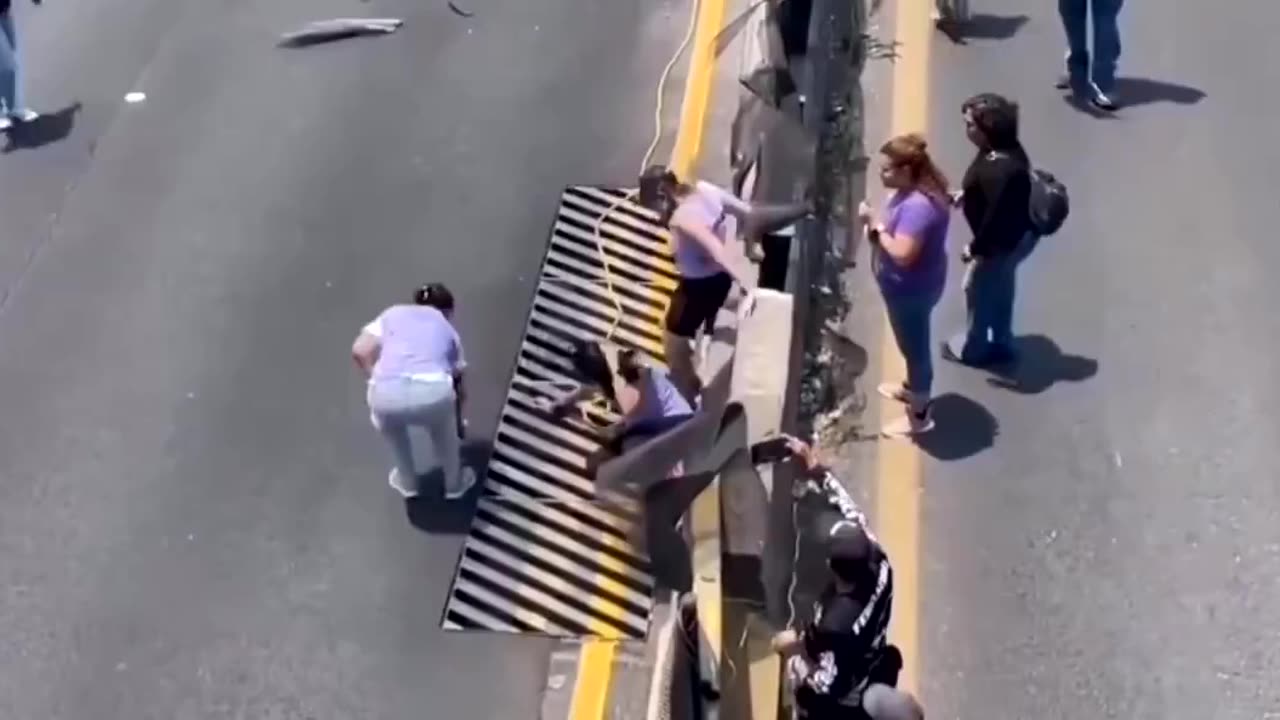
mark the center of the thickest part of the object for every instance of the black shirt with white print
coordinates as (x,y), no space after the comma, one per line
(847,634)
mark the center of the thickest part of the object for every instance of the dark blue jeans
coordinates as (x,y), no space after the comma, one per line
(1106,41)
(989,298)
(910,318)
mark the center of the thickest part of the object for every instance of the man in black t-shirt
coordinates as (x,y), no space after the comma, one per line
(834,658)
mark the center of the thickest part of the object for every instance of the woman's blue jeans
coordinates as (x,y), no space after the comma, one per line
(910,318)
(989,298)
(401,403)
(1106,41)
(9,79)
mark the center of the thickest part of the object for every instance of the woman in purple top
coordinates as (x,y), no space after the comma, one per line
(700,216)
(648,401)
(413,359)
(909,257)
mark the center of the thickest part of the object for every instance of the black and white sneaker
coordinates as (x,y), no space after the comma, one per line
(1101,100)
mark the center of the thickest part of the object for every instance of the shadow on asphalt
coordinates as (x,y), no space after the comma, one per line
(1134,91)
(963,429)
(47,129)
(431,513)
(983,26)
(1144,91)
(1041,365)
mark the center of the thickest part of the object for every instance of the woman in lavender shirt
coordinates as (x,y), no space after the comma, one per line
(414,361)
(909,257)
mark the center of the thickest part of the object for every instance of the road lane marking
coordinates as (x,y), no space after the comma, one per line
(899,468)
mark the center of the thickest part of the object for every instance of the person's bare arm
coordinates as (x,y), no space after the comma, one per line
(365,351)
(904,248)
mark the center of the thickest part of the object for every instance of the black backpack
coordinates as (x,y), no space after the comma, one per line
(1049,204)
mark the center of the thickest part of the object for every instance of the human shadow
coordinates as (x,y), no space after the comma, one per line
(983,26)
(431,513)
(46,129)
(1041,364)
(963,428)
(1134,91)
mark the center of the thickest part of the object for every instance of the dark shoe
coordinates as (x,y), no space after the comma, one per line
(981,361)
(1001,355)
(1103,102)
(1063,82)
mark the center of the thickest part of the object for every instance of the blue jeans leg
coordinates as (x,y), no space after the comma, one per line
(1106,43)
(402,403)
(909,318)
(9,65)
(987,282)
(1075,23)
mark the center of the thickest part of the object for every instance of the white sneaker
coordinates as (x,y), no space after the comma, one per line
(465,484)
(895,391)
(397,483)
(24,115)
(909,425)
(5,123)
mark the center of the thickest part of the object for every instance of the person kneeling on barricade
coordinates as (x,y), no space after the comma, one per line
(840,664)
(649,403)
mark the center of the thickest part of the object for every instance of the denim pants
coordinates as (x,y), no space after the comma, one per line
(990,291)
(910,318)
(399,404)
(1106,41)
(9,71)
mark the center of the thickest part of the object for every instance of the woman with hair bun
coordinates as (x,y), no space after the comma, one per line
(414,361)
(908,241)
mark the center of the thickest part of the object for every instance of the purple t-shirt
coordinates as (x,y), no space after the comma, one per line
(659,398)
(911,212)
(418,342)
(708,205)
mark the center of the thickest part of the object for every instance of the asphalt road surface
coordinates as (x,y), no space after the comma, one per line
(194,517)
(1102,539)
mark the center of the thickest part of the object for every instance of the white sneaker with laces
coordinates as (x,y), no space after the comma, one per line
(909,425)
(24,115)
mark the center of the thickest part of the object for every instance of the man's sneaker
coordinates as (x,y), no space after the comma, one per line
(1101,100)
(895,391)
(465,483)
(5,123)
(397,483)
(909,425)
(24,115)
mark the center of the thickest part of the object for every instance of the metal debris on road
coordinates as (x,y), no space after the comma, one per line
(322,31)
(459,11)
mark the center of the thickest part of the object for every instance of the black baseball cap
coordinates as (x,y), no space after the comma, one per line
(848,542)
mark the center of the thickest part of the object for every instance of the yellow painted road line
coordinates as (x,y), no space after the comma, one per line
(898,476)
(595,663)
(698,86)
